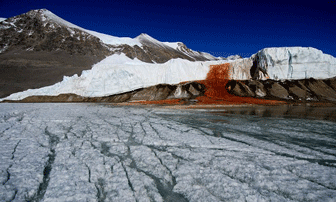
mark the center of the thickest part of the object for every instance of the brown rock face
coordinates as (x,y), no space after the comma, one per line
(257,87)
(239,89)
(331,82)
(322,90)
(298,92)
(292,90)
(158,92)
(278,91)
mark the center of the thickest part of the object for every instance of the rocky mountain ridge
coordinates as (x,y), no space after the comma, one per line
(41,30)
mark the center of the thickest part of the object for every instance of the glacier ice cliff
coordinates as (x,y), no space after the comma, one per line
(292,63)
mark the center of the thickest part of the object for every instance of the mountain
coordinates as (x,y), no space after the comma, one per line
(38,48)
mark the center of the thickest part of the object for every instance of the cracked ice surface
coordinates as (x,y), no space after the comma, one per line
(88,152)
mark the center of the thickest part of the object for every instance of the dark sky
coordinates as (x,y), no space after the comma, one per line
(221,28)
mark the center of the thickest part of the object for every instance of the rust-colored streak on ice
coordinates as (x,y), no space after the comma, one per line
(216,80)
(216,93)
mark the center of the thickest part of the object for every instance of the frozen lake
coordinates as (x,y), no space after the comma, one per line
(91,152)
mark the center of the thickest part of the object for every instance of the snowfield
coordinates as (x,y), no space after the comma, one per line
(90,152)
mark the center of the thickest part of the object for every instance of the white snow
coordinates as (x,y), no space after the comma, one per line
(2,19)
(108,39)
(145,37)
(89,152)
(118,74)
(173,45)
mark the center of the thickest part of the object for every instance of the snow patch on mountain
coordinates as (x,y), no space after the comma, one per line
(47,15)
(145,37)
(173,45)
(2,19)
(107,39)
(118,73)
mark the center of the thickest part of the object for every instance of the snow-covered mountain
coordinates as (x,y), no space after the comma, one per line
(46,26)
(38,48)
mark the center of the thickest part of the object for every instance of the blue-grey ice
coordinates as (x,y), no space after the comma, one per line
(90,152)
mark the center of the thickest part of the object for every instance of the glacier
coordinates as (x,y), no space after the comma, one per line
(118,73)
(91,152)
